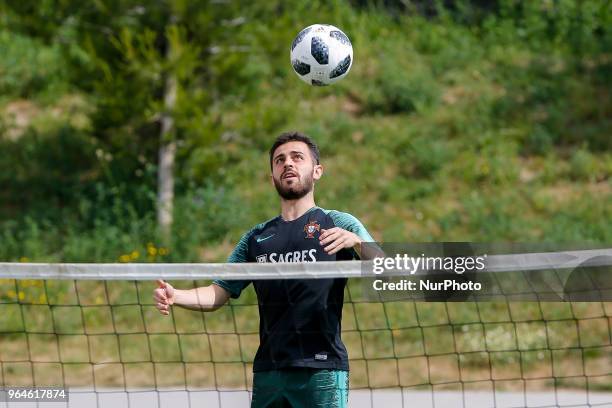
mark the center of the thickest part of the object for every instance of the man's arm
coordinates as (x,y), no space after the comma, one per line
(205,298)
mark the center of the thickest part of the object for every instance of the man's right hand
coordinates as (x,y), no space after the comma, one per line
(164,297)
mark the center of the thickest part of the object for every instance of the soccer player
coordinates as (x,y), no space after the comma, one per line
(301,360)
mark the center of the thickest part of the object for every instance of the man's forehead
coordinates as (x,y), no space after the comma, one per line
(293,146)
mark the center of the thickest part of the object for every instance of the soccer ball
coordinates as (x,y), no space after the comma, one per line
(321,54)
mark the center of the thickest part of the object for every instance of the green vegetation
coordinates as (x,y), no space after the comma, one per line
(448,128)
(112,330)
(462,123)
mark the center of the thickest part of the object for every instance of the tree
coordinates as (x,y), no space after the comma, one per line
(151,68)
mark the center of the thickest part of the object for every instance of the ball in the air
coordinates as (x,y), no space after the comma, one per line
(321,54)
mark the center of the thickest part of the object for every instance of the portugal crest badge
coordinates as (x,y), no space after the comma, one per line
(311,228)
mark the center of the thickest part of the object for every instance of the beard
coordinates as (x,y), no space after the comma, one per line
(296,190)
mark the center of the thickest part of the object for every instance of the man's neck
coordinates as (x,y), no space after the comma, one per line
(294,209)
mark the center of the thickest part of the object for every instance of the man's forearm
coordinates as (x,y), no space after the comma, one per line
(205,299)
(366,251)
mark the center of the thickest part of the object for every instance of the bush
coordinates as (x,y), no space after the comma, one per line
(28,68)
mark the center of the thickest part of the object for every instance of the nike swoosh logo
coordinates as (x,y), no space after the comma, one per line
(263,239)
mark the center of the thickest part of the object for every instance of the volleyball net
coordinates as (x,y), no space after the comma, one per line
(94,330)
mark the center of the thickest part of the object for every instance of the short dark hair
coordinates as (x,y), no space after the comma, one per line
(287,137)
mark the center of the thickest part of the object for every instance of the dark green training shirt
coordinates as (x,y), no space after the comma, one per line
(299,319)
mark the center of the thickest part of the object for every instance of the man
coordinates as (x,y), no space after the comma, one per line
(301,360)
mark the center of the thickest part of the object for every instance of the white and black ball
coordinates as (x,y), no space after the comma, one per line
(321,54)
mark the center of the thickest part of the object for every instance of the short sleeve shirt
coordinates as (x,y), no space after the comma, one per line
(299,319)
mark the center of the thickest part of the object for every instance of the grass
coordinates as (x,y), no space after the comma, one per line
(108,334)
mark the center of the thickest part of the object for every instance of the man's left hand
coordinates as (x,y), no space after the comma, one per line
(335,239)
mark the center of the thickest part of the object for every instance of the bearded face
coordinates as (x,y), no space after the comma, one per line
(293,170)
(293,186)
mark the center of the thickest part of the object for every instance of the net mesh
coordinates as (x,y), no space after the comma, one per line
(105,340)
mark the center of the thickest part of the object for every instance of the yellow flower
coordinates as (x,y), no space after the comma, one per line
(31,283)
(11,293)
(24,259)
(21,295)
(134,255)
(42,298)
(124,258)
(152,250)
(163,251)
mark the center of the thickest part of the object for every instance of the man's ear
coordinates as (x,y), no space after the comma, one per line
(317,171)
